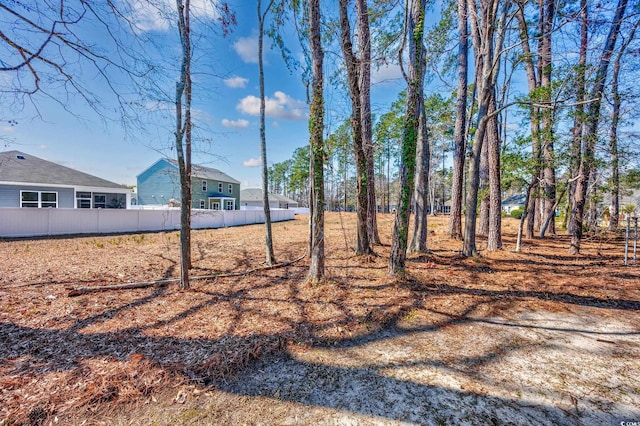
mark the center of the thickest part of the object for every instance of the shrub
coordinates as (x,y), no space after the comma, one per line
(516,213)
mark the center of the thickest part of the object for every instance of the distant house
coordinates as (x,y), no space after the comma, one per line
(211,189)
(513,203)
(630,197)
(31,182)
(251,198)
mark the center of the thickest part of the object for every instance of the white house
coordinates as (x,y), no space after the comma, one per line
(27,181)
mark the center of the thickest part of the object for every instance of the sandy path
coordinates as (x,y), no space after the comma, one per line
(536,368)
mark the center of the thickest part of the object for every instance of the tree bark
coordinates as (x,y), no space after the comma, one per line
(591,128)
(549,171)
(494,234)
(316,127)
(613,132)
(269,256)
(421,190)
(488,36)
(483,190)
(460,134)
(523,217)
(183,140)
(362,199)
(364,47)
(578,116)
(414,34)
(534,112)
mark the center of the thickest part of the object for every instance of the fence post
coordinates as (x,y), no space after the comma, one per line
(635,238)
(626,241)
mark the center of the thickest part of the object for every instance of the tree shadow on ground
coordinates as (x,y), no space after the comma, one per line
(30,351)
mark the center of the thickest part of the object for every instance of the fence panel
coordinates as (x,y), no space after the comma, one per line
(17,222)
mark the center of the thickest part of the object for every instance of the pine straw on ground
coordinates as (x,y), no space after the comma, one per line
(69,358)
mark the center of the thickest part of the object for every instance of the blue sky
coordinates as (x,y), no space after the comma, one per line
(226,111)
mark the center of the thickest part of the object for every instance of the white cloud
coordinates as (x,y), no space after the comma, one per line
(153,106)
(235,124)
(43,146)
(247,49)
(236,82)
(281,106)
(148,17)
(159,16)
(386,74)
(252,162)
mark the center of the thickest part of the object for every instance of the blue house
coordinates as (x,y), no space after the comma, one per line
(27,181)
(211,189)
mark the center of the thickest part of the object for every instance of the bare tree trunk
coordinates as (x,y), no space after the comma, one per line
(269,256)
(414,33)
(549,171)
(550,219)
(578,117)
(316,127)
(421,191)
(351,63)
(523,217)
(533,84)
(364,47)
(494,234)
(460,135)
(613,132)
(591,129)
(614,210)
(183,140)
(483,190)
(488,36)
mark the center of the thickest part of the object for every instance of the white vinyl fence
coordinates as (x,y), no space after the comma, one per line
(17,222)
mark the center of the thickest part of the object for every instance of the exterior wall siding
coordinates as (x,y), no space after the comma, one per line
(198,194)
(158,184)
(161,183)
(10,195)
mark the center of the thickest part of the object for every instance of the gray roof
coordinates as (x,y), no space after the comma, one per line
(16,166)
(255,194)
(206,172)
(517,199)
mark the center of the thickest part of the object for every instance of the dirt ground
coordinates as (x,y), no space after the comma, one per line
(537,337)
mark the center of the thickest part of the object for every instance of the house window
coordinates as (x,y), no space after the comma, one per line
(49,199)
(36,199)
(83,200)
(229,205)
(220,187)
(230,189)
(29,199)
(99,201)
(215,205)
(202,206)
(204,186)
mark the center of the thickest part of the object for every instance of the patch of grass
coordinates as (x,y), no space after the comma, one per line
(138,239)
(115,241)
(411,316)
(190,414)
